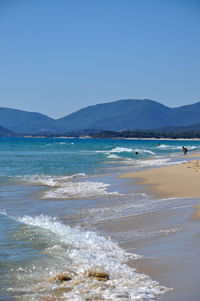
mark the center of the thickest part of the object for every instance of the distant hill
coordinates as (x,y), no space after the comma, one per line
(128,114)
(26,122)
(5,132)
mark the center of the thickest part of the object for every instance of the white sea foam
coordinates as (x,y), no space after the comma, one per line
(67,187)
(121,150)
(162,146)
(177,147)
(192,147)
(149,162)
(116,150)
(169,146)
(144,151)
(77,251)
(78,190)
(57,143)
(154,162)
(51,180)
(112,156)
(130,150)
(160,162)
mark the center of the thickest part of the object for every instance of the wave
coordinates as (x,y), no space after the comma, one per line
(60,143)
(57,143)
(177,147)
(75,252)
(67,187)
(49,180)
(192,147)
(150,162)
(78,190)
(121,150)
(144,151)
(162,146)
(118,150)
(172,147)
(155,162)
(112,156)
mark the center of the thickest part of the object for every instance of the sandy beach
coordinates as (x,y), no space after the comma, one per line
(178,180)
(173,257)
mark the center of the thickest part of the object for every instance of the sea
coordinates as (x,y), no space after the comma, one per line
(54,194)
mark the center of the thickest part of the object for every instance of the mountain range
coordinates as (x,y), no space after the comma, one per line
(127,114)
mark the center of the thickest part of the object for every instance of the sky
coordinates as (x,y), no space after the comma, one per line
(58,56)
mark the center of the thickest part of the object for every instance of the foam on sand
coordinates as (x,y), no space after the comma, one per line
(67,187)
(78,190)
(78,254)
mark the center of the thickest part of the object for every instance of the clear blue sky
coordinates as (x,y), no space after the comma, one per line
(57,56)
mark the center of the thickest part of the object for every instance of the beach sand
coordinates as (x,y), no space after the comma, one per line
(179,180)
(172,257)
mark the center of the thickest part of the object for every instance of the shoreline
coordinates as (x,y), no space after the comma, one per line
(150,233)
(167,255)
(173,257)
(179,180)
(113,138)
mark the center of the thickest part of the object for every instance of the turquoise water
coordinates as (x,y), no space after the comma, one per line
(25,156)
(53,193)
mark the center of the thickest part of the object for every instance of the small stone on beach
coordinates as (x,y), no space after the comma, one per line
(98,275)
(59,277)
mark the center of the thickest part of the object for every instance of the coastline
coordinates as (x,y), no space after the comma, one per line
(138,222)
(177,180)
(173,257)
(117,138)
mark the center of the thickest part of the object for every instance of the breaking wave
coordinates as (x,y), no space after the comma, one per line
(72,251)
(52,181)
(67,187)
(78,190)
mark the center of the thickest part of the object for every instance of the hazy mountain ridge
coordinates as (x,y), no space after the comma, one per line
(118,115)
(26,122)
(128,114)
(5,132)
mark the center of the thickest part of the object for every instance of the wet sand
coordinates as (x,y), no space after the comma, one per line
(179,180)
(172,256)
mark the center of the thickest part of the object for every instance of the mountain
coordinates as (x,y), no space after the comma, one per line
(118,115)
(26,122)
(128,114)
(5,132)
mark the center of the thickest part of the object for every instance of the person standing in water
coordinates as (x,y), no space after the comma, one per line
(185,150)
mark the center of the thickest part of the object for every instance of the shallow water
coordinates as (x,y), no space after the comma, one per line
(53,194)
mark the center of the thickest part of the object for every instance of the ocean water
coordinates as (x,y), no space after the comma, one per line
(53,194)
